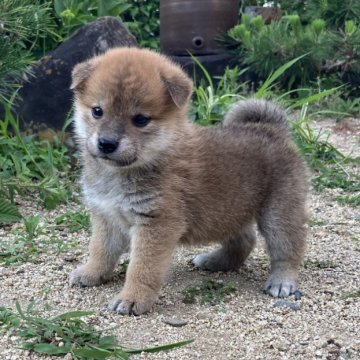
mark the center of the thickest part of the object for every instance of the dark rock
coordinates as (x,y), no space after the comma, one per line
(45,99)
(298,294)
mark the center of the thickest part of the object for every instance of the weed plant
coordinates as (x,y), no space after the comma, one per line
(334,12)
(351,295)
(332,53)
(211,100)
(30,166)
(352,200)
(74,221)
(140,16)
(36,236)
(22,247)
(23,24)
(210,292)
(68,333)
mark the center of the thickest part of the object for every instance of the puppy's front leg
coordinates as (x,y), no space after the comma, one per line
(106,245)
(151,252)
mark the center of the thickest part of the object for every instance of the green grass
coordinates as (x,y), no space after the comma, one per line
(211,100)
(351,295)
(352,200)
(315,222)
(209,291)
(31,167)
(331,168)
(74,221)
(22,247)
(319,264)
(339,105)
(33,238)
(68,333)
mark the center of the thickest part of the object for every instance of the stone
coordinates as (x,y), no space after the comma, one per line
(45,98)
(286,304)
(175,322)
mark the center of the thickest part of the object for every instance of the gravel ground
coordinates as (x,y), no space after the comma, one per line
(323,324)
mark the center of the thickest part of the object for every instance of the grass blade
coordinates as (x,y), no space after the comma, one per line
(92,353)
(313,98)
(160,348)
(263,90)
(72,315)
(205,72)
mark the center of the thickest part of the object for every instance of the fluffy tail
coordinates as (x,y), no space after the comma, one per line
(257,111)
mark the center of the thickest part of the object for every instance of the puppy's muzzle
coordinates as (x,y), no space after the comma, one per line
(107,146)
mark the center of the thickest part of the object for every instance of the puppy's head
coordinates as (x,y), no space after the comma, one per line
(129,103)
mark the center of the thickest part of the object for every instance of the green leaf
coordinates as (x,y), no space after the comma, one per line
(21,313)
(108,343)
(59,6)
(263,90)
(8,212)
(73,315)
(205,72)
(123,8)
(27,345)
(51,349)
(160,348)
(92,353)
(314,98)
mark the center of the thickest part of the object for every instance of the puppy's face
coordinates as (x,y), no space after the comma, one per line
(129,103)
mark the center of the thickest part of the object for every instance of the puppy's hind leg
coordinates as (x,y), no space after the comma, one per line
(106,245)
(284,232)
(231,255)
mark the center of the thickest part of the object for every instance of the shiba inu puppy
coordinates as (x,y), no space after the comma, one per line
(152,179)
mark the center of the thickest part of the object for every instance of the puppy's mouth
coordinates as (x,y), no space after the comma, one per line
(117,162)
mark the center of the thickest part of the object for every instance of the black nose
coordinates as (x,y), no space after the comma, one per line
(107,146)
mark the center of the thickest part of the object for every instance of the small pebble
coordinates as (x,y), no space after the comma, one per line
(286,304)
(298,295)
(175,322)
(70,257)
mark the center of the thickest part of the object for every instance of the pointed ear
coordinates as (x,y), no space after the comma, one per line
(81,73)
(178,85)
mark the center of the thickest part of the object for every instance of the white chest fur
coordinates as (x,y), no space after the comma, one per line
(120,202)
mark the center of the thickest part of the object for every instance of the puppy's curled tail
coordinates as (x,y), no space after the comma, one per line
(257,111)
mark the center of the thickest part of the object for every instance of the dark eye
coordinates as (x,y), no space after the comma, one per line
(140,120)
(97,112)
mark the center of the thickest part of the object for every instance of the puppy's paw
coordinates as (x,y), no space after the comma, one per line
(280,286)
(130,307)
(83,276)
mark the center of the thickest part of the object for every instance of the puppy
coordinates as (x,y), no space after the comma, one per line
(152,179)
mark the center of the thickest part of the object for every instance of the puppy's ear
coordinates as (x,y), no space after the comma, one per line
(178,85)
(81,73)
